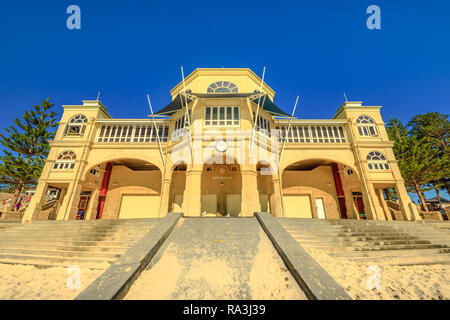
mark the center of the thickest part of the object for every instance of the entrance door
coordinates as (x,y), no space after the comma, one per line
(297,206)
(209,203)
(320,208)
(234,205)
(82,207)
(139,206)
(360,205)
(178,203)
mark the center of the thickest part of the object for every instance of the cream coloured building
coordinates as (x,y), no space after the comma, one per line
(203,155)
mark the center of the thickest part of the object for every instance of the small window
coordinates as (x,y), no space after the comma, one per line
(377,161)
(76,126)
(222,87)
(65,161)
(366,126)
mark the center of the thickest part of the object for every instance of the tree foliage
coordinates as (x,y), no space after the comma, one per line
(421,150)
(26,148)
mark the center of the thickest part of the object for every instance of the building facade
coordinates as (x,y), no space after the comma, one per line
(221,147)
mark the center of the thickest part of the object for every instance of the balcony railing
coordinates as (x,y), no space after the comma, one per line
(305,133)
(129,132)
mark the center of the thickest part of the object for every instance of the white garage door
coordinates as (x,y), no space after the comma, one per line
(139,206)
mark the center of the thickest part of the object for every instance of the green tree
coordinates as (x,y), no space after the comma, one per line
(27,147)
(434,127)
(418,159)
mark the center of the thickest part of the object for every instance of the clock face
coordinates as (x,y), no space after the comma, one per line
(221,146)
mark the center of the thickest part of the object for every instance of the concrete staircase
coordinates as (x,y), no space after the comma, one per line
(388,242)
(90,243)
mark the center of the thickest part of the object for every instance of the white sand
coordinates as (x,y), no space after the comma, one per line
(397,282)
(23,282)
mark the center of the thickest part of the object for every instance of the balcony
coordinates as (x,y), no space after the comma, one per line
(132,131)
(312,131)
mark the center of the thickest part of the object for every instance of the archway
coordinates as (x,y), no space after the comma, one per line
(122,189)
(177,187)
(265,186)
(321,188)
(221,186)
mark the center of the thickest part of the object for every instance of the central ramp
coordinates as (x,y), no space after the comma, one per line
(216,258)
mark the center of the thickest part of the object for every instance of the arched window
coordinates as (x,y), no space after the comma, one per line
(377,161)
(222,87)
(76,126)
(366,126)
(65,161)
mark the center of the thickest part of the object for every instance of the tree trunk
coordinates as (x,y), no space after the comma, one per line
(16,196)
(438,193)
(421,197)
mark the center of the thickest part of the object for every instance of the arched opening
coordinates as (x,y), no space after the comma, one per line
(121,189)
(177,186)
(265,185)
(323,189)
(221,186)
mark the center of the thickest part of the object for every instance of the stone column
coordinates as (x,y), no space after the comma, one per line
(384,206)
(69,206)
(250,196)
(192,193)
(165,196)
(34,208)
(378,210)
(91,212)
(275,199)
(409,210)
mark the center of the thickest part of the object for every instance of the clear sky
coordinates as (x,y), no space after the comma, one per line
(315,49)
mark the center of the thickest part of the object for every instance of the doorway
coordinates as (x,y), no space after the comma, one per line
(320,208)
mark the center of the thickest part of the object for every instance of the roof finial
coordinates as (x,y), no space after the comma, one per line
(98,96)
(345,97)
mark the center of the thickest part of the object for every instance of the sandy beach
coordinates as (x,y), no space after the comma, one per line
(419,282)
(26,282)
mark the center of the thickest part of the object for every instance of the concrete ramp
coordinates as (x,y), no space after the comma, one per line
(216,258)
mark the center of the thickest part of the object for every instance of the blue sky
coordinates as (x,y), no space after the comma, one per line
(315,49)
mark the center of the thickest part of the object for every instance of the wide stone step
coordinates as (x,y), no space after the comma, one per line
(302,237)
(407,260)
(60,253)
(358,243)
(81,237)
(67,242)
(37,246)
(59,233)
(49,261)
(350,234)
(390,253)
(329,248)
